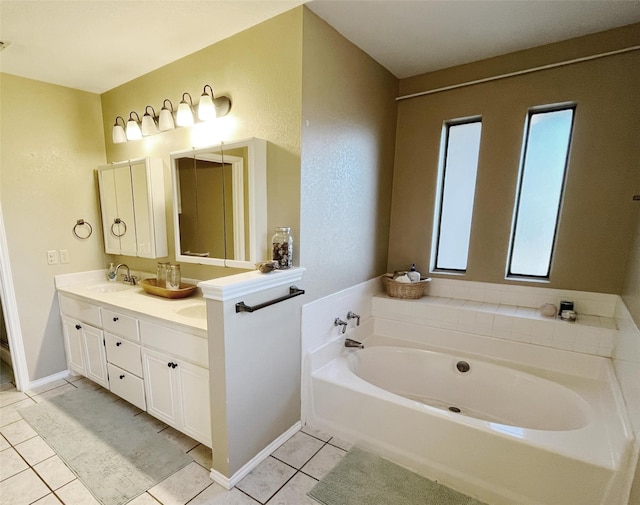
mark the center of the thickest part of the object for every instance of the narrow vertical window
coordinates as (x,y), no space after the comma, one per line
(542,174)
(457,186)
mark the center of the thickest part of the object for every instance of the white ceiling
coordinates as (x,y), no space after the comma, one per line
(86,44)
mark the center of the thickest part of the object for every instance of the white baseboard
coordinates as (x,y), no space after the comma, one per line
(50,378)
(229,482)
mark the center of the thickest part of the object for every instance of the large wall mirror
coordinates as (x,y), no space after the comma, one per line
(220,203)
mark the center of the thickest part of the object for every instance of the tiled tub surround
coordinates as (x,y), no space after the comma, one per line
(499,323)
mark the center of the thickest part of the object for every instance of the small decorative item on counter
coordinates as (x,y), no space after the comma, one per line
(568,315)
(267,266)
(174,277)
(111,272)
(161,273)
(413,274)
(402,278)
(282,247)
(548,310)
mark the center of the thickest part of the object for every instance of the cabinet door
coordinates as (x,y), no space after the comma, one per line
(161,386)
(72,331)
(194,389)
(116,202)
(95,355)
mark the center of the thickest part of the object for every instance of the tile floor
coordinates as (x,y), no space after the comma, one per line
(31,472)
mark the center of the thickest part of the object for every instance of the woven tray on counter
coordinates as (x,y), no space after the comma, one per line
(406,290)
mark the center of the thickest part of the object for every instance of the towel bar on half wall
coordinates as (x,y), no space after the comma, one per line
(293,292)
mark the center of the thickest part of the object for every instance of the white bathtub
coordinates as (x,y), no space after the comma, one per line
(524,434)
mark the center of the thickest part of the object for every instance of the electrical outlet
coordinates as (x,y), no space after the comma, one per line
(64,256)
(52,257)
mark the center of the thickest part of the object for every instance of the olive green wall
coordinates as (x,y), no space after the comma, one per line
(348,132)
(259,69)
(51,142)
(597,221)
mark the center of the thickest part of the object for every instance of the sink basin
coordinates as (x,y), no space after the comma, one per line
(198,311)
(109,287)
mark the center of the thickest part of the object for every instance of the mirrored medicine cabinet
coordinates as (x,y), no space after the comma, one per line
(220,203)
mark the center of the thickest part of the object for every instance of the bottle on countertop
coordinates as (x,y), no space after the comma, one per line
(413,274)
(111,272)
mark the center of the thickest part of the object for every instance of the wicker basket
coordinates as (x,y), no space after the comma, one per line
(406,290)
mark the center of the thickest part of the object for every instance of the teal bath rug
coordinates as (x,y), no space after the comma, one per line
(362,478)
(116,454)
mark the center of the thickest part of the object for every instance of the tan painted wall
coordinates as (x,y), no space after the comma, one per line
(52,140)
(348,116)
(596,225)
(259,69)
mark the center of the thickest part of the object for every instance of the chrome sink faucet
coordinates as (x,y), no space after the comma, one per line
(128,278)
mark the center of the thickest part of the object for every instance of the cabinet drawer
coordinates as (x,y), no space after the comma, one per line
(123,353)
(177,343)
(80,310)
(127,386)
(119,324)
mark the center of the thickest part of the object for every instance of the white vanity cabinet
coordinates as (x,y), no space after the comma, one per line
(83,340)
(176,376)
(132,201)
(124,357)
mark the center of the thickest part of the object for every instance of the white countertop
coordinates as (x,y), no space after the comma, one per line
(93,286)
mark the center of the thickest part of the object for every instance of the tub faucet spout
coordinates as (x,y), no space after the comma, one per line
(349,342)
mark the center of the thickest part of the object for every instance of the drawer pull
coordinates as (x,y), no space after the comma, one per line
(122,377)
(78,327)
(118,344)
(115,319)
(172,365)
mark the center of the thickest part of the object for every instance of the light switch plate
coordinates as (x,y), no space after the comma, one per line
(64,256)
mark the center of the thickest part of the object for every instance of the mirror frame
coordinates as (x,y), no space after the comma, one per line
(257,204)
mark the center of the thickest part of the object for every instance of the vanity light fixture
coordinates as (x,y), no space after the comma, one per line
(209,108)
(149,126)
(184,116)
(118,135)
(166,117)
(133,127)
(206,109)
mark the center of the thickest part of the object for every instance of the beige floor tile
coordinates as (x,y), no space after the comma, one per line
(182,485)
(23,488)
(54,472)
(83,382)
(60,390)
(144,499)
(7,386)
(46,387)
(337,442)
(202,455)
(17,432)
(74,378)
(315,432)
(299,449)
(217,495)
(3,443)
(11,396)
(265,479)
(11,463)
(323,461)
(50,499)
(295,492)
(10,414)
(75,493)
(183,441)
(34,450)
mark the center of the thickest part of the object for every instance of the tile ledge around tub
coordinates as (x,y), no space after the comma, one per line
(606,323)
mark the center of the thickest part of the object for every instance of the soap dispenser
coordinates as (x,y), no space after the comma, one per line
(111,273)
(413,274)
